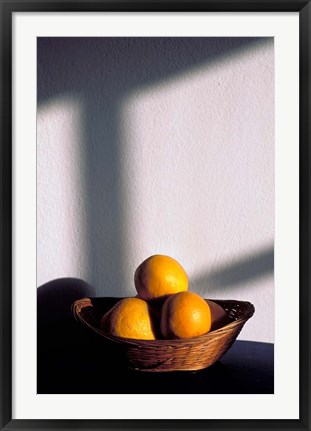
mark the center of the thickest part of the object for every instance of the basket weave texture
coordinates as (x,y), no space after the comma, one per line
(168,355)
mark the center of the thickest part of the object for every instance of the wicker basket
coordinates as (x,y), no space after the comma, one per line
(168,355)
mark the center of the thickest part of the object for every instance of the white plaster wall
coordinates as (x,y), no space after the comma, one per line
(165,147)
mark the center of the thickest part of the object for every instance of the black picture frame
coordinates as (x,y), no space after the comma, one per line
(7,9)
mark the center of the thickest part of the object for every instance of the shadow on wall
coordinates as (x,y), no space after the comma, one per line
(243,271)
(54,299)
(102,71)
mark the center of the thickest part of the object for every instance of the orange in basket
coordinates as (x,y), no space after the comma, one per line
(129,318)
(160,276)
(185,315)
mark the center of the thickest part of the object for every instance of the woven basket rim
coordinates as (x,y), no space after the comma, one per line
(80,304)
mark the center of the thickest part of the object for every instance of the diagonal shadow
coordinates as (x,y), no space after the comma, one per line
(103,71)
(243,271)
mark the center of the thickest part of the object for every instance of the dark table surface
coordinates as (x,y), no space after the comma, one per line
(72,360)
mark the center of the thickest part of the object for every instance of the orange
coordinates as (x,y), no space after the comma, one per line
(219,316)
(185,315)
(160,276)
(129,318)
